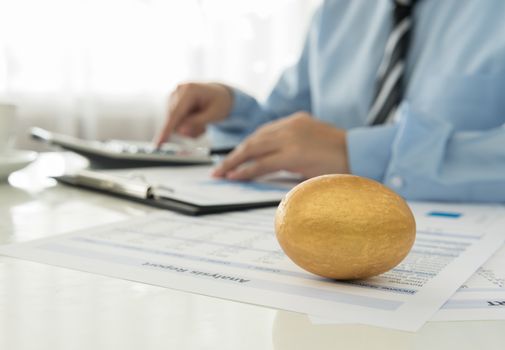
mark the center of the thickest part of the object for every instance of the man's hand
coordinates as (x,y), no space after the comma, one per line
(192,106)
(298,143)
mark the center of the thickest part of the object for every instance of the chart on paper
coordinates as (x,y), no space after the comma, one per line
(236,256)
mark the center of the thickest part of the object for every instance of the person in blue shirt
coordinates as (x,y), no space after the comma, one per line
(446,140)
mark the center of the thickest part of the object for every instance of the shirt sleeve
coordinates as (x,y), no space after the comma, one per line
(290,94)
(425,158)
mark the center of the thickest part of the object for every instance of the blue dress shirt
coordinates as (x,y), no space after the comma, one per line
(448,138)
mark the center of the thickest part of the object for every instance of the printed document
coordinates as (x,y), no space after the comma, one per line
(236,256)
(482,297)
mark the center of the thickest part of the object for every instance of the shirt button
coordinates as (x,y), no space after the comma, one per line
(397,182)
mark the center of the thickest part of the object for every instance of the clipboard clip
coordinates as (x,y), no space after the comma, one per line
(152,190)
(136,186)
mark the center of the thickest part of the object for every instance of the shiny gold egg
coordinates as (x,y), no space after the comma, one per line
(344,227)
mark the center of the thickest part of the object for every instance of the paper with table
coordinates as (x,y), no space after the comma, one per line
(236,256)
(482,297)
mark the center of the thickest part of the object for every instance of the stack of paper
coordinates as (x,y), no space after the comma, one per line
(236,256)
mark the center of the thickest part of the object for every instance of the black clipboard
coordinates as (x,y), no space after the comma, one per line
(143,193)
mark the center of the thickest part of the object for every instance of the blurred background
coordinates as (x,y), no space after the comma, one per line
(102,69)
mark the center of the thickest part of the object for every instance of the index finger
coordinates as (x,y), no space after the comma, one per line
(255,146)
(174,116)
(235,158)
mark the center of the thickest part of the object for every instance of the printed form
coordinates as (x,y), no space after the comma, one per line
(236,256)
(482,297)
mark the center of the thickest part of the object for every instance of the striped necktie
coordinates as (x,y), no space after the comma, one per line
(390,84)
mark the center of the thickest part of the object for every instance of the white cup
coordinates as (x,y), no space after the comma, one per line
(7,127)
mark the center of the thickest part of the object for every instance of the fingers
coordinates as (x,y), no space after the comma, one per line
(256,146)
(191,130)
(181,104)
(194,124)
(298,143)
(193,106)
(264,165)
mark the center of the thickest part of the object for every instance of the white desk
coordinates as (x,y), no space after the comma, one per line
(45,307)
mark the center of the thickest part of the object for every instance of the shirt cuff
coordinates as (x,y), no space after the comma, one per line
(243,106)
(231,131)
(369,150)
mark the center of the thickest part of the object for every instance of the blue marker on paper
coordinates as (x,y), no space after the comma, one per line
(445,214)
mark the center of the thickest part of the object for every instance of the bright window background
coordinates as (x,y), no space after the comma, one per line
(102,69)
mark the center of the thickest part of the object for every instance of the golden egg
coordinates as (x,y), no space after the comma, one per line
(344,227)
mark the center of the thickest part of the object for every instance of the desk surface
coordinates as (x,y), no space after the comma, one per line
(46,307)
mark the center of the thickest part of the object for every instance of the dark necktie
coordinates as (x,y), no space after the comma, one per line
(390,76)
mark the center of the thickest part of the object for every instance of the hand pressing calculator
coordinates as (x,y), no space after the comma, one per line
(126,154)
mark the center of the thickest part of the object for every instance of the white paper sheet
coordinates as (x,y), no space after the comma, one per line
(235,256)
(482,297)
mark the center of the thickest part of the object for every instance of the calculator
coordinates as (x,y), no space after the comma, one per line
(126,154)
